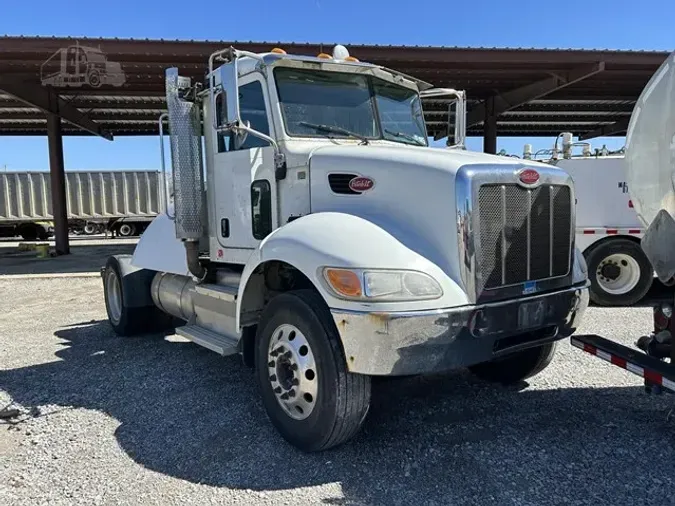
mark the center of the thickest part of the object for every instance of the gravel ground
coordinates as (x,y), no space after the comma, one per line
(157,420)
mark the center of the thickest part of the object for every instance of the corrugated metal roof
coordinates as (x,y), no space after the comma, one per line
(132,108)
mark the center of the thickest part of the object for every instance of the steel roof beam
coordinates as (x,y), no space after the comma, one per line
(515,98)
(615,128)
(49,102)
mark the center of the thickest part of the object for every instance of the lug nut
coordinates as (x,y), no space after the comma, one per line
(273,377)
(294,367)
(295,382)
(284,397)
(271,363)
(277,390)
(291,393)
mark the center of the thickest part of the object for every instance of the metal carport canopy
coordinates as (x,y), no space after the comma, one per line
(511,92)
(528,92)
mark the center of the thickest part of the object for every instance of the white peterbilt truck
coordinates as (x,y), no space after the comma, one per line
(315,233)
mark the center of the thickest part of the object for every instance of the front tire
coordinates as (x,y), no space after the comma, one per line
(620,273)
(516,367)
(309,395)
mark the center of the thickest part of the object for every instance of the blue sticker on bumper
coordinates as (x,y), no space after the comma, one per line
(529,287)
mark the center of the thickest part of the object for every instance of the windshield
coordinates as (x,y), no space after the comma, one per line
(317,103)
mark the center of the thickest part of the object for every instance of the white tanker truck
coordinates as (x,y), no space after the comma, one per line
(316,234)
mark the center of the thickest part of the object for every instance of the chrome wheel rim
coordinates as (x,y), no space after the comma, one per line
(292,371)
(618,274)
(114,292)
(125,230)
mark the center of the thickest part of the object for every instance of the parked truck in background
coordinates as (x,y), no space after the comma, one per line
(319,236)
(608,230)
(120,202)
(650,162)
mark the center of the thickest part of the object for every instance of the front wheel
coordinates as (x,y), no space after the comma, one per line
(309,395)
(516,367)
(620,273)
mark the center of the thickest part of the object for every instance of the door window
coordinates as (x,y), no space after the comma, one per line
(252,109)
(261,208)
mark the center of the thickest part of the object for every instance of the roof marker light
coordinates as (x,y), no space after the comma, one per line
(278,50)
(323,56)
(340,52)
(351,58)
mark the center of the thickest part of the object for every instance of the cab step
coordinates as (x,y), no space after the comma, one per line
(214,341)
(226,293)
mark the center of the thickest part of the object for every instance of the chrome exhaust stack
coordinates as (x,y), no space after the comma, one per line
(187,167)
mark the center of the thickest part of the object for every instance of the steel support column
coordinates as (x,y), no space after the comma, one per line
(58,184)
(490,127)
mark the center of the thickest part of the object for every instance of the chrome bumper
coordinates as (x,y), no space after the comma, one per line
(403,343)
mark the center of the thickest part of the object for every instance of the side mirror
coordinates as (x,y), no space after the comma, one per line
(456,132)
(228,115)
(241,134)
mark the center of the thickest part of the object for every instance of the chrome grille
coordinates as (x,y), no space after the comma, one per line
(525,234)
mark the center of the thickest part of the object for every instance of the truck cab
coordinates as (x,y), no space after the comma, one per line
(316,233)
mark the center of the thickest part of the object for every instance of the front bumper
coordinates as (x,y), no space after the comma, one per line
(403,343)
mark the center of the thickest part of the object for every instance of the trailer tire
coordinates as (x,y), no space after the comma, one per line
(90,229)
(335,401)
(516,367)
(128,311)
(619,271)
(30,232)
(126,229)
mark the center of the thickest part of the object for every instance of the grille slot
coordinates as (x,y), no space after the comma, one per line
(525,234)
(339,183)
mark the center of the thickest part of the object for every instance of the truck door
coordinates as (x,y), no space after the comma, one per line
(245,202)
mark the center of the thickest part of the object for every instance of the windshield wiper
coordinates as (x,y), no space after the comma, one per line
(411,138)
(334,129)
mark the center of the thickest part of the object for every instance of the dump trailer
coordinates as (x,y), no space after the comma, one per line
(315,233)
(120,202)
(650,161)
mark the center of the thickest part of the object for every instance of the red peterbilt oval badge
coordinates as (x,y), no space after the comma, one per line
(528,176)
(361,184)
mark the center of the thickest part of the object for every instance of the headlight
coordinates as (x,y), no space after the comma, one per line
(385,285)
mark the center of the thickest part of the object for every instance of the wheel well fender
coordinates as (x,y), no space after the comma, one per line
(610,238)
(135,281)
(330,239)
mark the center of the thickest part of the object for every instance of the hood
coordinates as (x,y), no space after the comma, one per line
(412,195)
(298,152)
